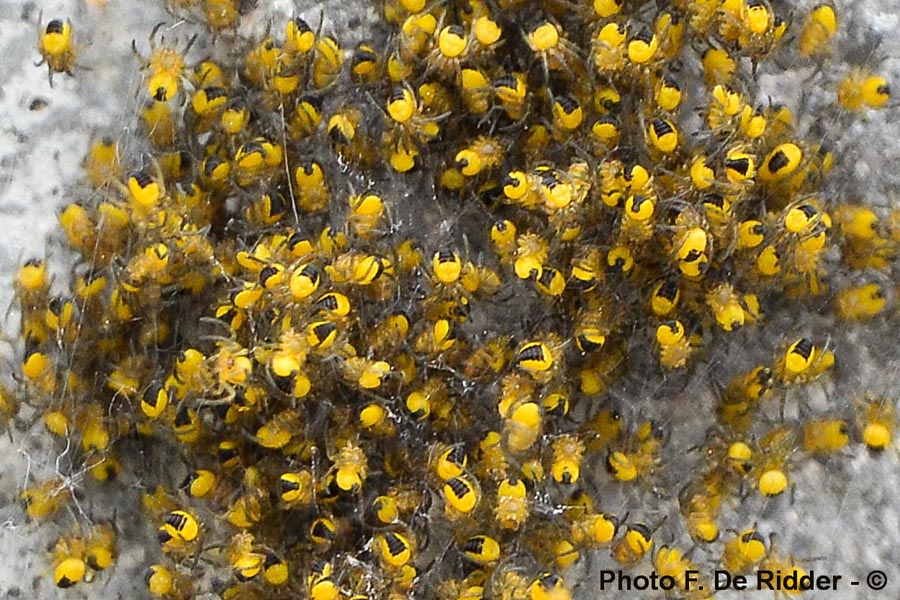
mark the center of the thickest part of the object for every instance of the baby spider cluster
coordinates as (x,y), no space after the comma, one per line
(364,394)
